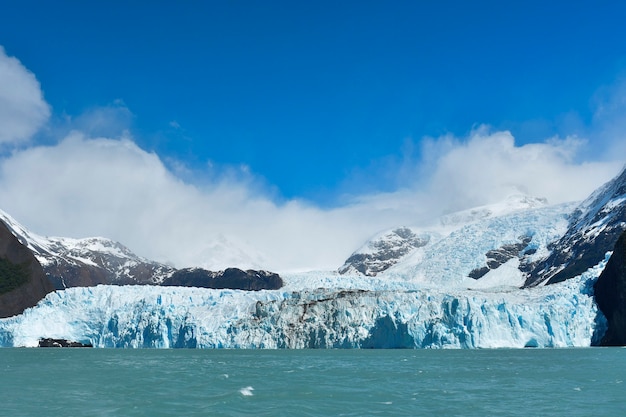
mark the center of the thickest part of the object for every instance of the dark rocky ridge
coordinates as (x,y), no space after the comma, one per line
(231,278)
(64,273)
(386,251)
(610,294)
(23,282)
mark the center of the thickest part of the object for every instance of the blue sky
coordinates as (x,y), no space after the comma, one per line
(307,95)
(324,105)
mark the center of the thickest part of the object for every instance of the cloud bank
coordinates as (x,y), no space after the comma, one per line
(23,109)
(85,185)
(111,187)
(488,166)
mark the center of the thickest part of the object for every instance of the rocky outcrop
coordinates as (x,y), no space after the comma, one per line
(498,257)
(610,295)
(231,278)
(49,342)
(22,279)
(384,251)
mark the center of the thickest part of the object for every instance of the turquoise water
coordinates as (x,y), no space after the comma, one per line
(108,382)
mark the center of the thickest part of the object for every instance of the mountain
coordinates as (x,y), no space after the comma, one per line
(468,248)
(425,300)
(87,262)
(22,279)
(384,251)
(521,242)
(594,228)
(92,261)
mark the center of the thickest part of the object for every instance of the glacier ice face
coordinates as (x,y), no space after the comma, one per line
(347,313)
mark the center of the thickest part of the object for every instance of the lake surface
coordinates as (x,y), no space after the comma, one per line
(112,382)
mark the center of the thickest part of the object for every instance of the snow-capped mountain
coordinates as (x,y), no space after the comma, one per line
(522,242)
(71,262)
(470,243)
(594,228)
(384,251)
(89,262)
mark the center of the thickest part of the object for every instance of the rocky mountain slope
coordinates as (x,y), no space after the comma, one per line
(22,279)
(87,262)
(594,228)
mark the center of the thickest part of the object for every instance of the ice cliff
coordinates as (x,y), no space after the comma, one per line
(354,316)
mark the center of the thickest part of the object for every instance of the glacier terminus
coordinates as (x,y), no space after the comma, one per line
(398,316)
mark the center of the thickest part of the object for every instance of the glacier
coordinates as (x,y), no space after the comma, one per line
(346,313)
(458,244)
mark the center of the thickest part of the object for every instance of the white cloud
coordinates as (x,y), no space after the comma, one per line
(488,167)
(22,108)
(84,187)
(113,120)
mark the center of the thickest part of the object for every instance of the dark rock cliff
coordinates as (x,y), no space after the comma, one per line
(498,257)
(610,294)
(22,279)
(232,278)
